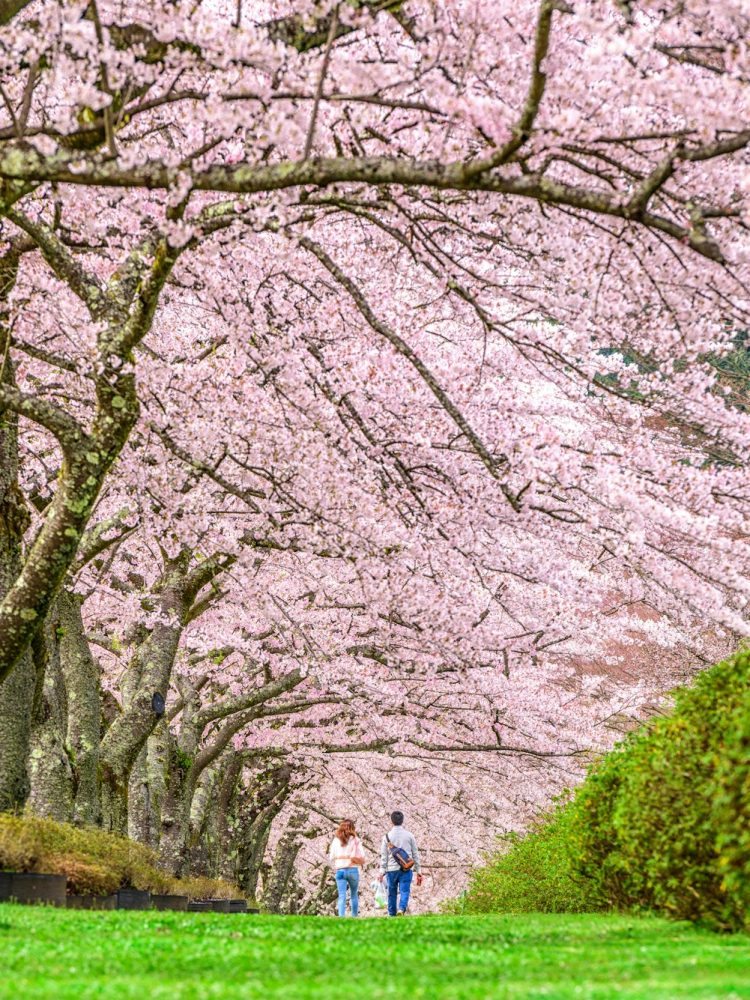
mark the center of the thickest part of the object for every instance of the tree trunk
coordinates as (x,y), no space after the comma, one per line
(139,806)
(175,818)
(205,852)
(51,775)
(147,788)
(322,898)
(224,830)
(281,892)
(17,690)
(84,723)
(16,702)
(128,733)
(268,794)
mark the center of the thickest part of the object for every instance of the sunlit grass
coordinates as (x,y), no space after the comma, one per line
(69,954)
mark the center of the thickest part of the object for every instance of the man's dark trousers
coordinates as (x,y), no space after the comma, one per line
(399,884)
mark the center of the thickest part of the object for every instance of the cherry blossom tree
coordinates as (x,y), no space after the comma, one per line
(361,371)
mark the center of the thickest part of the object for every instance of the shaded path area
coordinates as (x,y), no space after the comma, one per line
(66,954)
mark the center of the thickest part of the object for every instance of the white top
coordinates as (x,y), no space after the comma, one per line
(341,854)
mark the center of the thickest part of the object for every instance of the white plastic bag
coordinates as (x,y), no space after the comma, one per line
(380,897)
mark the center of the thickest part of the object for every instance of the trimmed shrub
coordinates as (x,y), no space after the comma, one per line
(94,862)
(731,808)
(532,873)
(84,878)
(29,843)
(662,822)
(667,816)
(204,888)
(19,847)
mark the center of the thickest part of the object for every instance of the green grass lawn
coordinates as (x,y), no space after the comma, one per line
(73,954)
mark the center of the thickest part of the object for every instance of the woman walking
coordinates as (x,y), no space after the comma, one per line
(346,854)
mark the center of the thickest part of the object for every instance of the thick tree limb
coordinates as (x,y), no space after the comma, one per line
(93,542)
(21,162)
(491,748)
(62,262)
(69,433)
(258,696)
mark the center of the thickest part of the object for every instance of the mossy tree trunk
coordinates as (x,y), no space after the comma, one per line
(224,827)
(192,756)
(124,309)
(282,892)
(66,734)
(149,674)
(268,792)
(82,677)
(175,816)
(51,772)
(323,896)
(17,690)
(147,787)
(205,858)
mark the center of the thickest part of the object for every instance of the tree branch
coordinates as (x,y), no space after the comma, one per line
(62,262)
(257,696)
(522,130)
(69,433)
(21,162)
(490,462)
(93,542)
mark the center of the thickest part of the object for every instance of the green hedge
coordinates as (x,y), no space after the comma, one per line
(660,823)
(531,874)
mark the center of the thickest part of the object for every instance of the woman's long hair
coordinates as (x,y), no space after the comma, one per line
(345,831)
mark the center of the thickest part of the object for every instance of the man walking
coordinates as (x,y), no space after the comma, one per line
(397,878)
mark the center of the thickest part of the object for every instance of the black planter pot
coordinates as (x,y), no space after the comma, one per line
(220,905)
(199,906)
(92,902)
(238,906)
(6,880)
(30,887)
(167,902)
(133,899)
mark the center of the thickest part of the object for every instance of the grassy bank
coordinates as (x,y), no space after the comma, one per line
(67,954)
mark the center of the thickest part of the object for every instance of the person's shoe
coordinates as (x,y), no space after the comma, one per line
(401,913)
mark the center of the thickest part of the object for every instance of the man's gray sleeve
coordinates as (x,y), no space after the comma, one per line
(415,855)
(384,856)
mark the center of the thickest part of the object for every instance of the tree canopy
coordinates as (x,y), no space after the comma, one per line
(362,397)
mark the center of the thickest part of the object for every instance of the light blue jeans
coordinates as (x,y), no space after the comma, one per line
(348,878)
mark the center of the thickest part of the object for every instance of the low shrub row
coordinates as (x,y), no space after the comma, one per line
(531,873)
(662,822)
(94,862)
